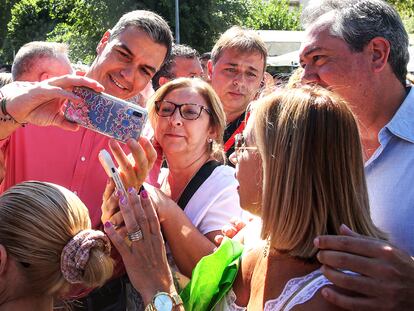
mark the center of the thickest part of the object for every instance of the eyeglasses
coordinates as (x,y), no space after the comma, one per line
(240,144)
(165,108)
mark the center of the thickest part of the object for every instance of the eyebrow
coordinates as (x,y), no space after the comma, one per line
(250,67)
(312,50)
(150,68)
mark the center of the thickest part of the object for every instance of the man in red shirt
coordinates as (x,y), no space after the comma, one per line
(128,56)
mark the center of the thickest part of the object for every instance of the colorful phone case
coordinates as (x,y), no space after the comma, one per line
(107,114)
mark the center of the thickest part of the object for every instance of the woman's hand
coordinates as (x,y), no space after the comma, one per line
(145,258)
(134,168)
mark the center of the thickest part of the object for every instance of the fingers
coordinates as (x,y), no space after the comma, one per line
(218,239)
(359,245)
(117,219)
(150,212)
(352,282)
(229,231)
(69,81)
(127,167)
(238,223)
(127,206)
(344,229)
(117,240)
(109,189)
(346,302)
(150,151)
(360,264)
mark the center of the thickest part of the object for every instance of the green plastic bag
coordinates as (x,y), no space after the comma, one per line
(212,277)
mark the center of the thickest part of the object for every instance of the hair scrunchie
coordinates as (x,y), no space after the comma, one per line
(75,254)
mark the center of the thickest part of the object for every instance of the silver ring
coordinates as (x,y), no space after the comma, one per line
(135,236)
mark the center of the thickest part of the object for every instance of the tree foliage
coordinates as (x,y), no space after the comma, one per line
(272,15)
(406,10)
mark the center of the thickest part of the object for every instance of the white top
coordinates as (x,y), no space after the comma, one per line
(215,202)
(296,291)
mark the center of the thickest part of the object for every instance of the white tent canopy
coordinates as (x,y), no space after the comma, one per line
(292,59)
(285,60)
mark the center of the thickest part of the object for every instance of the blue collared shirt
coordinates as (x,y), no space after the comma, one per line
(390,177)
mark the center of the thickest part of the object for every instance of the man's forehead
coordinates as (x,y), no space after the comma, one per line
(253,59)
(316,38)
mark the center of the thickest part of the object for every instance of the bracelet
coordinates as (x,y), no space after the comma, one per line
(7,116)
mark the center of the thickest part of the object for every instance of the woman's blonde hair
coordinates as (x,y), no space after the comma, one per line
(313,173)
(37,221)
(217,115)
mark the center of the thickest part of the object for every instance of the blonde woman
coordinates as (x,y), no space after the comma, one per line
(46,246)
(300,168)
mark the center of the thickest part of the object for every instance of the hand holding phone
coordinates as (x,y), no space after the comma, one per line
(111,169)
(106,114)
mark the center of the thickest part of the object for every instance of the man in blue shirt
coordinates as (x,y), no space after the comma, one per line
(359,49)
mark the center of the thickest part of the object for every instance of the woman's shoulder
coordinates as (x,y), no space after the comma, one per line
(242,285)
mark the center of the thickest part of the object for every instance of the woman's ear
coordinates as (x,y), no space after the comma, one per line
(3,260)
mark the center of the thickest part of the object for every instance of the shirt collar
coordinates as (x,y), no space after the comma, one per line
(402,123)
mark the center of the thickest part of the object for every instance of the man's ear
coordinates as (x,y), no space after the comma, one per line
(210,68)
(43,76)
(103,42)
(3,259)
(163,80)
(379,48)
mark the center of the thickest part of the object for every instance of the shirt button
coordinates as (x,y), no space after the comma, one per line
(83,159)
(75,192)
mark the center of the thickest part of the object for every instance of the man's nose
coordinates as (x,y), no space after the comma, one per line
(128,73)
(239,80)
(309,75)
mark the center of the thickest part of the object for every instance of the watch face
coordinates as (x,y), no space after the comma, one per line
(163,302)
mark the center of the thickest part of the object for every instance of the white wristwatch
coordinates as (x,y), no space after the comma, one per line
(163,301)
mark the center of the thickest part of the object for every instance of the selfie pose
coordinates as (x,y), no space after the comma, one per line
(286,146)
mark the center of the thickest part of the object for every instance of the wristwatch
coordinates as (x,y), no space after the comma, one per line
(163,301)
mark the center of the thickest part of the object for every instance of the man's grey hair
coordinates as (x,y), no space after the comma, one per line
(178,50)
(150,23)
(357,22)
(32,52)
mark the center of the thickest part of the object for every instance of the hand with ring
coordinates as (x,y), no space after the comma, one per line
(145,258)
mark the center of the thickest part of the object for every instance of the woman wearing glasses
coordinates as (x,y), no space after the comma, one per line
(188,122)
(198,195)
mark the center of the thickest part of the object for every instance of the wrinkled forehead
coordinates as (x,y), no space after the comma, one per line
(317,33)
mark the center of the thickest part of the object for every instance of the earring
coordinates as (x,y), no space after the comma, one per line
(210,140)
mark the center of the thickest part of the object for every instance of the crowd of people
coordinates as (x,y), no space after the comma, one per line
(321,164)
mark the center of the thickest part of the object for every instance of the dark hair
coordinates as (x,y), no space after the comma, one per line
(357,22)
(149,22)
(178,50)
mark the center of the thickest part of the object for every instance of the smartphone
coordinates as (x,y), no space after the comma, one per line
(111,169)
(106,114)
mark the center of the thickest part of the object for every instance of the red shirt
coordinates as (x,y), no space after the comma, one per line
(66,158)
